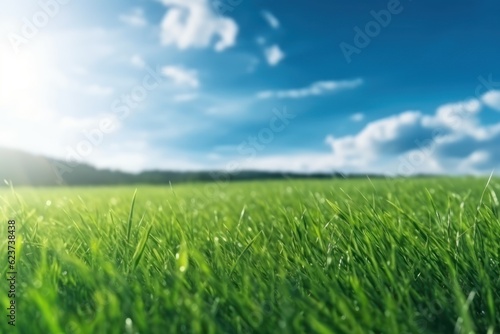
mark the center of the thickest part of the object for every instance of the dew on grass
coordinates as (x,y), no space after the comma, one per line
(284,264)
(129,326)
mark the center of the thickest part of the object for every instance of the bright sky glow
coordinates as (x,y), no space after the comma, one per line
(385,86)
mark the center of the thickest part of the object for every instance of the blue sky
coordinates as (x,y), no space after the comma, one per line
(398,87)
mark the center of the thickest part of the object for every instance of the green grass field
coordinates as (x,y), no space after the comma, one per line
(347,256)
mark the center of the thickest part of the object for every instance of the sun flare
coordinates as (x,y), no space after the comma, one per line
(23,82)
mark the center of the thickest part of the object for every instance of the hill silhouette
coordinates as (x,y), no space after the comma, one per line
(23,168)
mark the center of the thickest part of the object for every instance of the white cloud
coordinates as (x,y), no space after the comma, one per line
(315,89)
(135,18)
(452,114)
(194,24)
(137,61)
(181,76)
(271,19)
(358,117)
(470,163)
(274,55)
(492,99)
(450,141)
(379,137)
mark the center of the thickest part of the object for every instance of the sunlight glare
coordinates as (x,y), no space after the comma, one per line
(23,82)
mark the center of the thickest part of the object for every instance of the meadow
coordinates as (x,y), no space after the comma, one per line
(339,256)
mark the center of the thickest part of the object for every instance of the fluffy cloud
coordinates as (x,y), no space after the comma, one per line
(271,19)
(194,24)
(390,135)
(453,114)
(315,89)
(181,76)
(492,99)
(274,55)
(135,18)
(451,141)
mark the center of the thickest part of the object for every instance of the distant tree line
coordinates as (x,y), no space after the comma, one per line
(22,168)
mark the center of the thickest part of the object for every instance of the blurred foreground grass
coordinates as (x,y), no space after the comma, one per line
(346,256)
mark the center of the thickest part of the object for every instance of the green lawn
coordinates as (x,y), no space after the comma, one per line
(347,256)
